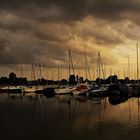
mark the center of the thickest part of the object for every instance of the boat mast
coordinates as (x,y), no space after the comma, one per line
(124,72)
(71,63)
(39,66)
(128,67)
(137,62)
(118,72)
(86,65)
(33,70)
(101,64)
(21,70)
(111,76)
(85,62)
(58,74)
(98,68)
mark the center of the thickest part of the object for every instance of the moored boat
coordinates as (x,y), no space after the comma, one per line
(82,89)
(118,89)
(64,90)
(12,89)
(45,90)
(30,89)
(98,91)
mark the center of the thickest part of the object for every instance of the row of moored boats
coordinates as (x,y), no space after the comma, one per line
(80,89)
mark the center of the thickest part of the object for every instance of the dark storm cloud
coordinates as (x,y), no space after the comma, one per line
(48,27)
(71,9)
(46,9)
(114,9)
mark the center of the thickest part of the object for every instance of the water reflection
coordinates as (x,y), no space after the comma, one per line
(67,117)
(117,99)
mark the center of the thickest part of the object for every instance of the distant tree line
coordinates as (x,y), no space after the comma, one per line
(114,79)
(14,80)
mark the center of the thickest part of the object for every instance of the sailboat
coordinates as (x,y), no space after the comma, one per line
(66,89)
(97,90)
(83,89)
(12,89)
(34,88)
(136,86)
(41,89)
(31,89)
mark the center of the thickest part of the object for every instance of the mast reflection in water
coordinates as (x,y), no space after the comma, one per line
(65,117)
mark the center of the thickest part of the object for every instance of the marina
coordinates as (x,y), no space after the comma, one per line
(69,70)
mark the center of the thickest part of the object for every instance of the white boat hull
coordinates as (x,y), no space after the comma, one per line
(66,90)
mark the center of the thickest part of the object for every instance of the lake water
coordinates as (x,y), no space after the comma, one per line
(68,118)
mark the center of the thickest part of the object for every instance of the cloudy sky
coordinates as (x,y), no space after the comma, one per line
(49,28)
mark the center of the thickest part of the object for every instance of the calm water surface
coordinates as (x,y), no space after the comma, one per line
(65,117)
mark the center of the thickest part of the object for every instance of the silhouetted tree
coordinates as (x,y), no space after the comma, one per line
(12,78)
(4,80)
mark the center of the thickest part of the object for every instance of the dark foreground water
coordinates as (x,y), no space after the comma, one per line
(67,118)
